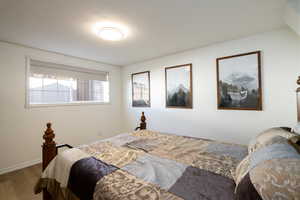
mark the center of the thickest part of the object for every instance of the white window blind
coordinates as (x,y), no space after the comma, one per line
(51,83)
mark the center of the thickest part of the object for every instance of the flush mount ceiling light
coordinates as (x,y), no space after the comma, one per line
(110,31)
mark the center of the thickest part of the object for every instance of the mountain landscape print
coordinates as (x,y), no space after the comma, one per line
(239,82)
(141,89)
(179,86)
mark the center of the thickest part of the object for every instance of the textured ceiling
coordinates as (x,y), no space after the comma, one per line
(157,27)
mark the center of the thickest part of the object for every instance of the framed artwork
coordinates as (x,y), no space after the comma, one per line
(179,92)
(141,89)
(239,82)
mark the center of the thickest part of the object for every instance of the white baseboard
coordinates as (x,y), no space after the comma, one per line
(20,166)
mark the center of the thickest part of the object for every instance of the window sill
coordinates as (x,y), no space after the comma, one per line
(79,103)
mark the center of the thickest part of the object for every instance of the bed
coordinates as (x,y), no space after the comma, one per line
(148,165)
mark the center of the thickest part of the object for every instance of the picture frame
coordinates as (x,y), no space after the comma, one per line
(179,86)
(239,82)
(141,89)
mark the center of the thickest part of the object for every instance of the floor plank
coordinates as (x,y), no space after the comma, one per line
(18,185)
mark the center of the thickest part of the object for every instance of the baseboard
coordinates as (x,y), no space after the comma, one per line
(20,166)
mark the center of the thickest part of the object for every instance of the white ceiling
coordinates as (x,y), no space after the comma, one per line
(157,27)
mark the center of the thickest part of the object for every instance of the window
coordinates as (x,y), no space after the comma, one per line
(50,83)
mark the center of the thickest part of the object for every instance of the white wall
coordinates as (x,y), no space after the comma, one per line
(280,69)
(21,129)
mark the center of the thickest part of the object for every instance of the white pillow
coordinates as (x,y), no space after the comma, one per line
(265,138)
(296,129)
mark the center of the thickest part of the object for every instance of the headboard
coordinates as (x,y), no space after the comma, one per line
(298,98)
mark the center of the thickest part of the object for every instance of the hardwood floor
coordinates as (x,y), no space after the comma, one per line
(18,185)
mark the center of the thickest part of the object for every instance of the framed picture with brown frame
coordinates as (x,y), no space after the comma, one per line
(141,89)
(179,86)
(239,82)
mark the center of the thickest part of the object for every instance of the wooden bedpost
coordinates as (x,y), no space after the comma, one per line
(49,146)
(49,152)
(143,124)
(298,98)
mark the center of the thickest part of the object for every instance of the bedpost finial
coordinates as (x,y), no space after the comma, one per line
(143,118)
(143,124)
(298,82)
(49,125)
(49,134)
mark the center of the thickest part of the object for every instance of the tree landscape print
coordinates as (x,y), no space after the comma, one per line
(141,89)
(179,86)
(239,84)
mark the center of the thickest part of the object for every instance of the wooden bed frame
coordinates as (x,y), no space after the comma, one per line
(50,148)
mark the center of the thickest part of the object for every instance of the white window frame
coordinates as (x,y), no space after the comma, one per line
(77,103)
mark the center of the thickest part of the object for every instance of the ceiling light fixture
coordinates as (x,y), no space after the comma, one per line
(110,31)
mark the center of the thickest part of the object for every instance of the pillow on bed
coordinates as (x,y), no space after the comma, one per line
(242,167)
(296,129)
(295,142)
(241,170)
(264,138)
(271,172)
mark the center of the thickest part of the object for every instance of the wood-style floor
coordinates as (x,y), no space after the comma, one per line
(18,185)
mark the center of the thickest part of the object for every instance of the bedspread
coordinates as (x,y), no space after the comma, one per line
(145,165)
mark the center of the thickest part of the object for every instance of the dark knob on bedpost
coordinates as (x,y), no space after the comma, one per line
(49,125)
(143,124)
(143,118)
(298,82)
(49,134)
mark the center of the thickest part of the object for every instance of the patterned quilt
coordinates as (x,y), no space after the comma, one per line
(145,165)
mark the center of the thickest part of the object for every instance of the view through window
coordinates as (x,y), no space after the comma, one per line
(60,84)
